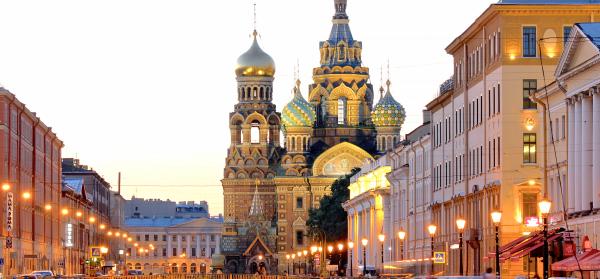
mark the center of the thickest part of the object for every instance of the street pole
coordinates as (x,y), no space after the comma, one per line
(497,252)
(351,262)
(364,260)
(460,250)
(382,265)
(432,255)
(546,253)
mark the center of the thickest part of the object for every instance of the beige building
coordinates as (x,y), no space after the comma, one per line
(486,132)
(172,245)
(572,113)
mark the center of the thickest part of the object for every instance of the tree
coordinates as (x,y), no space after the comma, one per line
(330,217)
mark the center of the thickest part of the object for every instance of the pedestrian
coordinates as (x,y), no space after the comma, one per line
(488,274)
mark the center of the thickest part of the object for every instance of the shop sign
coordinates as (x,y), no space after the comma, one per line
(95,252)
(69,235)
(9,211)
(532,222)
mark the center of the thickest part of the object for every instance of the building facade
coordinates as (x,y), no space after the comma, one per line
(571,110)
(90,210)
(485,131)
(335,129)
(179,245)
(30,172)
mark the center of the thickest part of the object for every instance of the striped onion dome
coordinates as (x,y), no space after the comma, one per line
(298,112)
(388,112)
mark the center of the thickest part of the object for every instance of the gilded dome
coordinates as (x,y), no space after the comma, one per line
(298,112)
(388,112)
(255,62)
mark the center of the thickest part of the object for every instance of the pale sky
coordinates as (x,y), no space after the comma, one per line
(145,87)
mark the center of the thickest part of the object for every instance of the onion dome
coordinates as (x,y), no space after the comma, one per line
(298,112)
(388,112)
(255,62)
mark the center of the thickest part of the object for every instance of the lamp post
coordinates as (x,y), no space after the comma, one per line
(432,229)
(287,260)
(381,238)
(340,247)
(364,243)
(305,253)
(496,218)
(460,225)
(402,236)
(545,206)
(350,249)
(293,267)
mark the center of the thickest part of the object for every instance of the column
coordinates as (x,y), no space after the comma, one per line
(169,246)
(198,251)
(596,155)
(218,244)
(178,245)
(207,237)
(188,249)
(577,150)
(586,151)
(571,155)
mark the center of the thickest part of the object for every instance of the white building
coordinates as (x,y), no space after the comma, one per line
(172,245)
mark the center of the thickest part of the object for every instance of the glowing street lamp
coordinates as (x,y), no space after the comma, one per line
(364,243)
(545,205)
(432,229)
(64,211)
(102,226)
(5,187)
(381,238)
(92,219)
(460,225)
(78,214)
(287,260)
(26,195)
(48,207)
(313,249)
(496,218)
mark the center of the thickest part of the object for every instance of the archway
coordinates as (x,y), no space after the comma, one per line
(253,268)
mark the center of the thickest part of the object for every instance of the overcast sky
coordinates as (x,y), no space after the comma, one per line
(145,86)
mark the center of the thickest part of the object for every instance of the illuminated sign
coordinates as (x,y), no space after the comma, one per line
(95,252)
(69,235)
(532,222)
(439,257)
(9,211)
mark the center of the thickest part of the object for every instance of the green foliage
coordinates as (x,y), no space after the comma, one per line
(330,217)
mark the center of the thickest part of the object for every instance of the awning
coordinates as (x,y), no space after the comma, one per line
(591,262)
(524,245)
(571,264)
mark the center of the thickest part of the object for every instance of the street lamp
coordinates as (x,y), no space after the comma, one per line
(340,247)
(293,258)
(432,229)
(545,206)
(364,243)
(381,238)
(350,249)
(287,260)
(305,252)
(496,218)
(460,225)
(5,187)
(402,236)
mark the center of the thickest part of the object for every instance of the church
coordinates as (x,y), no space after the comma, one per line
(269,184)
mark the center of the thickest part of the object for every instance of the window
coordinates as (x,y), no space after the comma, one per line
(530,205)
(183,251)
(147,237)
(164,252)
(203,252)
(164,237)
(299,238)
(299,203)
(212,238)
(529,153)
(529,87)
(529,41)
(254,133)
(174,238)
(566,34)
(563,124)
(155,237)
(137,237)
(174,252)
(341,111)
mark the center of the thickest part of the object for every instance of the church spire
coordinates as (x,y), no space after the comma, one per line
(340,9)
(256,208)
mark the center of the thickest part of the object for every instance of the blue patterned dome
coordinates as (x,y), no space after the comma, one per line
(388,112)
(298,112)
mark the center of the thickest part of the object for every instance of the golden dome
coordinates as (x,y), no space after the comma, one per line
(255,62)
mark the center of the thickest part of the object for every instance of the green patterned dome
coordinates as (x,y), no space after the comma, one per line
(388,112)
(298,112)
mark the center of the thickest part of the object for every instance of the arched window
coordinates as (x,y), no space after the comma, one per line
(293,144)
(193,268)
(174,268)
(254,93)
(341,111)
(255,132)
(262,93)
(138,266)
(324,109)
(183,268)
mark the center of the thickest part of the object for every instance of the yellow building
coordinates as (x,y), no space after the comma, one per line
(486,132)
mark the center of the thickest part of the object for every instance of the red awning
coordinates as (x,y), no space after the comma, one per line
(526,244)
(571,264)
(591,262)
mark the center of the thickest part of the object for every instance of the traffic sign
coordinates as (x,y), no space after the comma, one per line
(439,257)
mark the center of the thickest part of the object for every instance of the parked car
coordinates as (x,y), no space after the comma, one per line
(134,272)
(42,273)
(24,276)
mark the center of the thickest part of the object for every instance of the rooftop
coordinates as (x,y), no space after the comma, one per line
(548,2)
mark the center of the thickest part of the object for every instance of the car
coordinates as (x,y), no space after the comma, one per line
(24,276)
(42,273)
(134,272)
